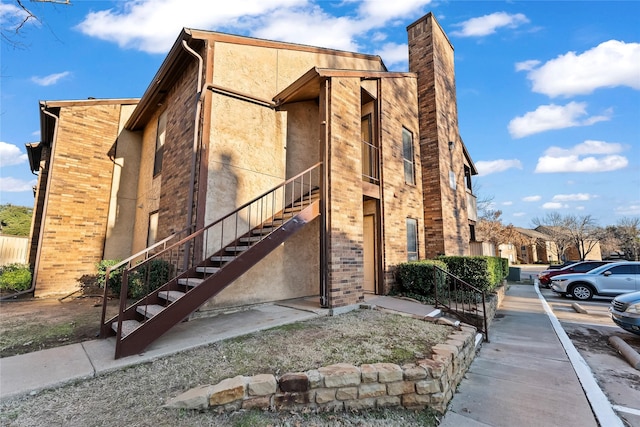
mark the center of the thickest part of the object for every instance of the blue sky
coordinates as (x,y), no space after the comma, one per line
(548,92)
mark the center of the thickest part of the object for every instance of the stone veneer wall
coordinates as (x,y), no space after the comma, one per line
(341,387)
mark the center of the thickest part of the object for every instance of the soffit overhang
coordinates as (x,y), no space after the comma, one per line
(308,86)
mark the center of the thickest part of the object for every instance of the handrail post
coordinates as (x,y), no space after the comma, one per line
(104,303)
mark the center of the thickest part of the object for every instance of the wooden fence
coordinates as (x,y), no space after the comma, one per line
(13,249)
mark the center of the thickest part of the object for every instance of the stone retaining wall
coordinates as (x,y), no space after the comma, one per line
(426,383)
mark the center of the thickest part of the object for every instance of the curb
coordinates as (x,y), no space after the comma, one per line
(602,408)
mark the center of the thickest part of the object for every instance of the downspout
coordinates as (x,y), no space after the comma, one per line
(196,144)
(44,209)
(324,208)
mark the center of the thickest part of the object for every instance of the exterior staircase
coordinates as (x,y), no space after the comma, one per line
(205,262)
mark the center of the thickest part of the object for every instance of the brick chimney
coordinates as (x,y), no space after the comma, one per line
(441,152)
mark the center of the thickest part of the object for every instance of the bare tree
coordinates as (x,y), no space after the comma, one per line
(491,229)
(554,226)
(580,232)
(16,16)
(585,233)
(625,237)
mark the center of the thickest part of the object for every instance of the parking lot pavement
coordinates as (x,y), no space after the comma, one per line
(589,333)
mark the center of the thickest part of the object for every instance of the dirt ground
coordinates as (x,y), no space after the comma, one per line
(134,396)
(28,325)
(617,378)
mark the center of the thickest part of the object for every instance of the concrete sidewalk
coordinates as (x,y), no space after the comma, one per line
(523,376)
(32,372)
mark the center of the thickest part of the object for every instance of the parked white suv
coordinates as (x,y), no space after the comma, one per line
(607,280)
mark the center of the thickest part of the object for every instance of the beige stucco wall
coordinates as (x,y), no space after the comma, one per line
(124,189)
(253,148)
(148,190)
(265,71)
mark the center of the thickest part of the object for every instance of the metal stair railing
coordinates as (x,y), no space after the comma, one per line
(253,221)
(461,299)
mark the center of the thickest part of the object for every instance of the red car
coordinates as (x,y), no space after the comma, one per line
(578,267)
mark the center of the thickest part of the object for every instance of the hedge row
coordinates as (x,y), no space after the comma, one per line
(417,278)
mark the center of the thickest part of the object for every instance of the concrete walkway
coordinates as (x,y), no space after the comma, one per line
(523,376)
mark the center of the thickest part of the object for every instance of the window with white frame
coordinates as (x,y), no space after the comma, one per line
(160,136)
(408,156)
(412,239)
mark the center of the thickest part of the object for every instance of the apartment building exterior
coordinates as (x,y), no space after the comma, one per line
(227,118)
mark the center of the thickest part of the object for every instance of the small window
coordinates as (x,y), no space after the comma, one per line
(452,180)
(472,232)
(412,239)
(160,136)
(152,234)
(467,178)
(408,155)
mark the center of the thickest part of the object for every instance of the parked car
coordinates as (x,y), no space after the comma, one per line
(559,266)
(607,280)
(576,267)
(625,311)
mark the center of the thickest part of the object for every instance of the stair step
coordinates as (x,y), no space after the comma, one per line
(237,248)
(149,310)
(293,208)
(251,239)
(171,296)
(191,281)
(128,326)
(207,270)
(222,258)
(263,230)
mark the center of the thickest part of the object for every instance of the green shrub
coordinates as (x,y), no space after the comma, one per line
(157,272)
(115,276)
(483,272)
(149,277)
(15,277)
(417,277)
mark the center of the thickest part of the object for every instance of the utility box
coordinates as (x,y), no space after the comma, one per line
(514,274)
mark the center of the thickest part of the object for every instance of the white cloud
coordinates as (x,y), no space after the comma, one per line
(548,117)
(488,24)
(51,79)
(11,155)
(633,209)
(494,166)
(554,205)
(547,164)
(394,54)
(589,156)
(380,12)
(12,16)
(587,147)
(532,198)
(610,64)
(527,65)
(572,197)
(508,203)
(152,25)
(518,214)
(13,185)
(311,27)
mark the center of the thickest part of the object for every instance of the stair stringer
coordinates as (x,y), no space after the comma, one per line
(149,331)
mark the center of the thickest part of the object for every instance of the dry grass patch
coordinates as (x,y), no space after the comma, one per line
(134,396)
